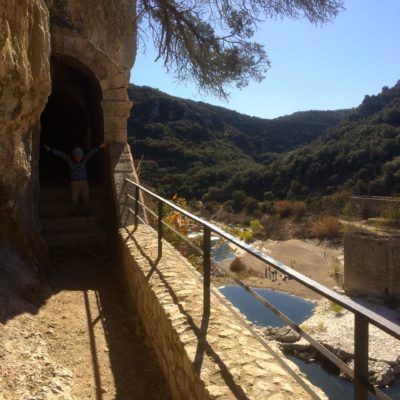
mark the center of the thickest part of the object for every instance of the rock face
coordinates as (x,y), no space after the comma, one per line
(24,88)
(97,36)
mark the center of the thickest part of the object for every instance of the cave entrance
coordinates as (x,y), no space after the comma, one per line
(72,117)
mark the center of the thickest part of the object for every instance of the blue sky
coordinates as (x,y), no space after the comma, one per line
(312,67)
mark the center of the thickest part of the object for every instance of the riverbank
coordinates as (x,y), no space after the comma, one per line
(330,325)
(317,260)
(334,328)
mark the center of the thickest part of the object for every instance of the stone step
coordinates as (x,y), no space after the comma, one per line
(63,210)
(74,224)
(89,239)
(62,194)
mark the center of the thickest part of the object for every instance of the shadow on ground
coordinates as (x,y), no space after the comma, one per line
(135,372)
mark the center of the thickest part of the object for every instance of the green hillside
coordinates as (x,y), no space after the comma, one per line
(361,155)
(196,149)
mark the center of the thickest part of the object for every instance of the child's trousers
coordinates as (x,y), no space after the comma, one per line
(79,189)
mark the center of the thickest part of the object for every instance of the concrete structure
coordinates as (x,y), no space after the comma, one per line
(371,264)
(372,206)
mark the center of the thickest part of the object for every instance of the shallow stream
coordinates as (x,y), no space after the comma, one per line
(298,309)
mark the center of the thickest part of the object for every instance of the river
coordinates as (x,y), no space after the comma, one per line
(298,309)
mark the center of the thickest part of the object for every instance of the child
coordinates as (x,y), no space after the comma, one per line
(78,174)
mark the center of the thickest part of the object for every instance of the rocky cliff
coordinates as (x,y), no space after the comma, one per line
(100,36)
(24,88)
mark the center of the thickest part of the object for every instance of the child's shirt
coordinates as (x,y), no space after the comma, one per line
(77,171)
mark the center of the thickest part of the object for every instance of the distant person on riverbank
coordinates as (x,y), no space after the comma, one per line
(78,174)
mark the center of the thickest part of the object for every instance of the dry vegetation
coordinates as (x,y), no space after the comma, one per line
(327,228)
(290,208)
(237,265)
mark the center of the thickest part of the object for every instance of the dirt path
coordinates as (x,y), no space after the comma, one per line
(81,344)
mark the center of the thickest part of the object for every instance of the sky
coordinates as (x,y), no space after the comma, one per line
(326,67)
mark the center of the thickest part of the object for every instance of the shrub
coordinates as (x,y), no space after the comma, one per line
(392,213)
(256,226)
(350,211)
(327,228)
(250,204)
(238,199)
(268,196)
(336,308)
(287,208)
(246,235)
(321,326)
(267,207)
(237,265)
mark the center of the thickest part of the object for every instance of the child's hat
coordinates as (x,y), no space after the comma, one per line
(77,151)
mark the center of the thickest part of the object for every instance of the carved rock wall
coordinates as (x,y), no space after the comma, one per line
(100,35)
(24,88)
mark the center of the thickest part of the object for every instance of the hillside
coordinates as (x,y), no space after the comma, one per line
(361,155)
(192,148)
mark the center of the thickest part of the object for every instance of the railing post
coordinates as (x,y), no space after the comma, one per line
(206,267)
(136,206)
(360,357)
(160,227)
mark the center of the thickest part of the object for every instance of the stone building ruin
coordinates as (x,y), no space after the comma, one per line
(371,264)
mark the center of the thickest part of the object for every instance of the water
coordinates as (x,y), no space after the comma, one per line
(298,310)
(336,388)
(222,252)
(295,307)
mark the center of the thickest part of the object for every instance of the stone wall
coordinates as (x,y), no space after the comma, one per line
(371,264)
(202,356)
(373,206)
(121,168)
(102,36)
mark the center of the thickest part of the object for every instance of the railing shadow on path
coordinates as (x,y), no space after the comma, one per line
(135,373)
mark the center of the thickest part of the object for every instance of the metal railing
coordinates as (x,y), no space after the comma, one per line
(363,316)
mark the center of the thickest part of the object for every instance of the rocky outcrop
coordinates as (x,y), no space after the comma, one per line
(334,329)
(24,88)
(101,35)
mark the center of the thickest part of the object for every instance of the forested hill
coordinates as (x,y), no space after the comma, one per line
(361,155)
(191,147)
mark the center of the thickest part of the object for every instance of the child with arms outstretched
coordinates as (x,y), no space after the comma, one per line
(78,174)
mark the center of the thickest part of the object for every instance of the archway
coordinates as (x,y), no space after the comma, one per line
(72,117)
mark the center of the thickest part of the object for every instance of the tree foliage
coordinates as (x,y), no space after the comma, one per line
(216,155)
(194,149)
(211,41)
(361,155)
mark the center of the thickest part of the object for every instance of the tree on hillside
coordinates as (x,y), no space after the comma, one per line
(210,41)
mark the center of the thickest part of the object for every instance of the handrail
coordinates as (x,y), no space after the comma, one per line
(363,316)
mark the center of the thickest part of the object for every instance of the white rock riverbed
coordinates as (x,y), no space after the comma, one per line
(336,331)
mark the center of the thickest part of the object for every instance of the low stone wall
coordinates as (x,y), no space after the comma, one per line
(202,357)
(373,206)
(371,264)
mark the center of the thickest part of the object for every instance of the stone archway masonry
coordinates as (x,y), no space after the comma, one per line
(114,81)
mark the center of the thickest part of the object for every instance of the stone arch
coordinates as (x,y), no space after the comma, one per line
(73,117)
(113,79)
